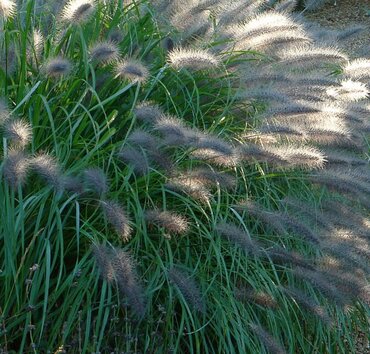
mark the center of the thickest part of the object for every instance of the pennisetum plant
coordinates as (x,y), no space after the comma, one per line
(184,177)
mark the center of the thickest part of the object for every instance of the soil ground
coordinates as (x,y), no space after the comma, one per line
(340,14)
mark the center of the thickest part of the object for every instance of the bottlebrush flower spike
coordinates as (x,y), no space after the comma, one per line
(18,132)
(132,70)
(239,237)
(7,8)
(117,266)
(358,69)
(267,339)
(148,112)
(306,58)
(78,11)
(56,67)
(117,218)
(15,168)
(349,91)
(193,59)
(47,168)
(188,288)
(169,221)
(96,180)
(104,52)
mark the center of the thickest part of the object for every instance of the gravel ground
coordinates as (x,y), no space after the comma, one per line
(343,14)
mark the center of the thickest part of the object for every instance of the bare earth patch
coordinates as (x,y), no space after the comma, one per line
(343,14)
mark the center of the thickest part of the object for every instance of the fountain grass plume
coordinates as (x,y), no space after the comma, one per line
(4,112)
(312,307)
(210,177)
(358,69)
(126,277)
(305,58)
(15,168)
(18,132)
(135,158)
(279,255)
(321,282)
(241,238)
(47,168)
(308,210)
(249,295)
(272,42)
(57,67)
(103,259)
(215,157)
(148,112)
(267,339)
(175,133)
(132,70)
(190,186)
(143,139)
(265,23)
(286,6)
(349,91)
(117,266)
(96,180)
(78,11)
(8,8)
(238,11)
(171,222)
(118,218)
(192,59)
(188,289)
(104,52)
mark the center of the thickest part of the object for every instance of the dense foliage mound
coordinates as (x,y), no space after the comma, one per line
(180,177)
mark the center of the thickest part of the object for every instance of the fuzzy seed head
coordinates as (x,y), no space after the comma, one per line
(211,177)
(118,267)
(358,69)
(169,221)
(18,132)
(124,268)
(96,180)
(78,11)
(104,52)
(305,301)
(132,70)
(37,45)
(136,158)
(218,158)
(307,58)
(349,91)
(191,186)
(72,184)
(103,259)
(56,67)
(15,168)
(261,298)
(47,168)
(192,59)
(117,217)
(238,236)
(7,8)
(188,288)
(267,339)
(148,112)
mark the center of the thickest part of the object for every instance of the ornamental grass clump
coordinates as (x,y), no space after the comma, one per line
(184,177)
